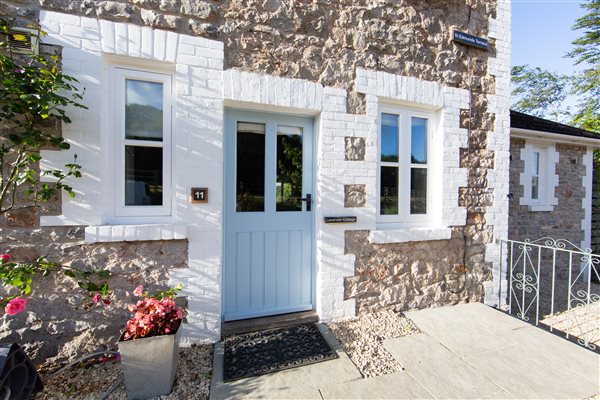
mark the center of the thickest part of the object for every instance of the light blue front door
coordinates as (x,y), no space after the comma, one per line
(268,218)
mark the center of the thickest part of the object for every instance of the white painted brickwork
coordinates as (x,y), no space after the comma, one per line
(586,222)
(131,233)
(499,142)
(196,65)
(447,102)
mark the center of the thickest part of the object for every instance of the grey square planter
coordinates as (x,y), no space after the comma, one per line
(149,365)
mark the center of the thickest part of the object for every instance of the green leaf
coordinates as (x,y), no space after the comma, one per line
(19,37)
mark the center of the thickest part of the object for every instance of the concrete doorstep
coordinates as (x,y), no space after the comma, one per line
(467,351)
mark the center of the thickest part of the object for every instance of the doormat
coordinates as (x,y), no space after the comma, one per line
(259,353)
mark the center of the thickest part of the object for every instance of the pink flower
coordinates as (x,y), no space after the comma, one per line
(15,306)
(5,257)
(138,291)
(106,301)
(179,313)
(97,297)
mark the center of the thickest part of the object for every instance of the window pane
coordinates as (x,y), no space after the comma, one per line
(389,191)
(418,141)
(535,188)
(143,176)
(289,169)
(389,137)
(418,191)
(536,163)
(143,110)
(250,177)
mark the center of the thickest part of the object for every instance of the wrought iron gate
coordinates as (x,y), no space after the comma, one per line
(554,283)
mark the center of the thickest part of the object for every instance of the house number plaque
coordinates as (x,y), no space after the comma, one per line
(199,195)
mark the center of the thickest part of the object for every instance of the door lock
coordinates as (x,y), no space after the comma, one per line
(308,200)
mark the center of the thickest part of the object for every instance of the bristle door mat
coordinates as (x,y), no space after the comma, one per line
(259,353)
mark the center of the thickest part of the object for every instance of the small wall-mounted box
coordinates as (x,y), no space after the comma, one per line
(199,195)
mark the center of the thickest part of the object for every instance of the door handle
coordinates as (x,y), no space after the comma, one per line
(308,200)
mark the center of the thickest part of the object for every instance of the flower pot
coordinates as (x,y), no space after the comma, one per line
(149,364)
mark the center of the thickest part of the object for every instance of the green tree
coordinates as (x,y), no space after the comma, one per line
(539,92)
(587,52)
(542,93)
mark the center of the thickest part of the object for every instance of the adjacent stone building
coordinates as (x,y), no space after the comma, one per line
(340,157)
(551,178)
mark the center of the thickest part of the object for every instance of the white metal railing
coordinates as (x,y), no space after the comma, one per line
(551,282)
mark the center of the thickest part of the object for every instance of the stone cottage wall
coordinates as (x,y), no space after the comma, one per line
(56,326)
(342,55)
(565,221)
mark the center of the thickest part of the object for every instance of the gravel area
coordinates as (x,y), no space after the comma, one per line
(91,380)
(578,322)
(557,290)
(362,339)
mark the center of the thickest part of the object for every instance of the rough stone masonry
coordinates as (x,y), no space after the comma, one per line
(326,41)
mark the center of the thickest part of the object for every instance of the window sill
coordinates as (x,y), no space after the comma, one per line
(410,235)
(132,233)
(541,208)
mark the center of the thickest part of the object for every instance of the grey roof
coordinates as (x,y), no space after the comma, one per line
(525,121)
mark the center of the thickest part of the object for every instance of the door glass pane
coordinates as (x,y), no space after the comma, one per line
(143,176)
(389,191)
(250,171)
(418,141)
(289,169)
(418,190)
(143,110)
(389,137)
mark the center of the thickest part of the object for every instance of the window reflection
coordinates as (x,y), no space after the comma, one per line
(143,110)
(389,137)
(288,194)
(418,141)
(250,170)
(143,176)
(389,191)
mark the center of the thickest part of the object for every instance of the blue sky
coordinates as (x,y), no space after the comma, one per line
(542,34)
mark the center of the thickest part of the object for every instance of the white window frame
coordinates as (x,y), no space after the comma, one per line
(119,75)
(547,180)
(404,219)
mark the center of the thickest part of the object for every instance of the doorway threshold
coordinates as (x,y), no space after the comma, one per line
(270,322)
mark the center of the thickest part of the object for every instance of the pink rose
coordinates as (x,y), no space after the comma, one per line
(97,297)
(5,257)
(15,306)
(179,313)
(106,301)
(138,291)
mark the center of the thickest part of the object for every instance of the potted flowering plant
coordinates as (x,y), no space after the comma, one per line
(149,345)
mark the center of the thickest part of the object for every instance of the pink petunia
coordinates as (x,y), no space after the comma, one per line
(138,291)
(97,297)
(5,257)
(15,306)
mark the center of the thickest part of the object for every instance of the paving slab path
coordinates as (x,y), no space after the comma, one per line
(467,351)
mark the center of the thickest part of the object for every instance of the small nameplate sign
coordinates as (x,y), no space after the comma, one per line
(199,195)
(339,220)
(470,40)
